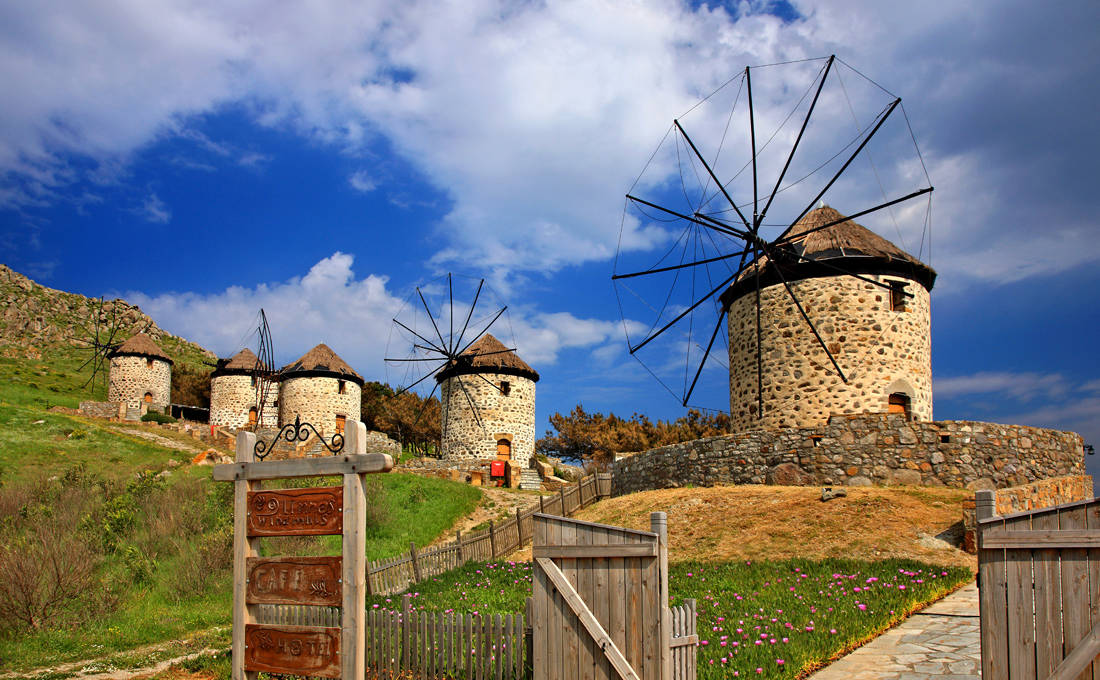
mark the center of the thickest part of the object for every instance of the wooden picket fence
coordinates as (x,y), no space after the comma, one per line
(685,639)
(395,575)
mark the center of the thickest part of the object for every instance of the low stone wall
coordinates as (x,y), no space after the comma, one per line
(863,450)
(379,442)
(1045,493)
(100,409)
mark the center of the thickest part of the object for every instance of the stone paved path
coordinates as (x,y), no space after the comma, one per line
(937,643)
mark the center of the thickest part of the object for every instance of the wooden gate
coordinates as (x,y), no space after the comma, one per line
(600,604)
(1039,581)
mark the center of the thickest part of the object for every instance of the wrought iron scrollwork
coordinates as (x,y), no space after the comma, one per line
(298,432)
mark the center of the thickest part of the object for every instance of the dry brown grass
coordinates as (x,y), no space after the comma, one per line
(778,522)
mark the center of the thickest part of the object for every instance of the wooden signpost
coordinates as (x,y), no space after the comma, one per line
(317,581)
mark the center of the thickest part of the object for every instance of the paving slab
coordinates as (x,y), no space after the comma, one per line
(939,642)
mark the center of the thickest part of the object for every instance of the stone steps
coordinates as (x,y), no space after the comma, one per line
(529,479)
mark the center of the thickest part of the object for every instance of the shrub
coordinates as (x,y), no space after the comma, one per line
(49,562)
(154,417)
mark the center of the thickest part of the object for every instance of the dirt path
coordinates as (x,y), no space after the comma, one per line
(160,440)
(139,662)
(497,505)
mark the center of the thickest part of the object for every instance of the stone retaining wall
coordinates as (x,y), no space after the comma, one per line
(864,450)
(100,409)
(1045,493)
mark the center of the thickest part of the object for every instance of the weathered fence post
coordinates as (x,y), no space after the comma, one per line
(406,630)
(354,572)
(519,528)
(492,541)
(416,566)
(658,523)
(458,542)
(542,504)
(985,504)
(243,548)
(529,640)
(561,496)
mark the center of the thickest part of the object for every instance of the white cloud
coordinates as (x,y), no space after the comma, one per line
(352,315)
(1020,386)
(534,119)
(362,181)
(154,210)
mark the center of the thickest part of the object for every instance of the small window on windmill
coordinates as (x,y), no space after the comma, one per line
(897,296)
(505,387)
(253,381)
(252,415)
(898,403)
(149,362)
(341,386)
(945,439)
(815,439)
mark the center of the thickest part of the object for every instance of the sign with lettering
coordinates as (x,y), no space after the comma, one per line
(292,650)
(296,512)
(294,580)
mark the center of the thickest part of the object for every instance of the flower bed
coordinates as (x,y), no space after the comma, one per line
(756,619)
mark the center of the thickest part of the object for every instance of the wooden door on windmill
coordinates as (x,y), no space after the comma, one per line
(504,449)
(599,610)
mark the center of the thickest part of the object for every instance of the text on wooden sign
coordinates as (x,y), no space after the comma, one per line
(296,512)
(294,580)
(293,650)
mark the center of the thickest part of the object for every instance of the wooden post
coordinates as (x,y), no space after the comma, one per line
(985,504)
(658,523)
(353,636)
(406,631)
(561,495)
(519,528)
(416,566)
(492,541)
(458,542)
(243,548)
(529,640)
(542,504)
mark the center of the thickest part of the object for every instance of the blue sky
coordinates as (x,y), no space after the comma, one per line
(207,159)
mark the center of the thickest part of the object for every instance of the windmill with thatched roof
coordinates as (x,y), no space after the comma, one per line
(320,388)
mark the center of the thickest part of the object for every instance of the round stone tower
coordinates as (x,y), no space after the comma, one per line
(235,393)
(140,375)
(321,389)
(488,405)
(880,337)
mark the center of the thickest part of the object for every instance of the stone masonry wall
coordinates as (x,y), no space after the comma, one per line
(880,351)
(317,400)
(510,416)
(231,398)
(100,409)
(876,449)
(1045,493)
(131,378)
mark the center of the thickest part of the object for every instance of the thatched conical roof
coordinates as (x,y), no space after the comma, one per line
(489,355)
(320,361)
(243,362)
(844,247)
(141,345)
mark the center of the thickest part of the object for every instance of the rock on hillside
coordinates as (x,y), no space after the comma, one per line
(34,317)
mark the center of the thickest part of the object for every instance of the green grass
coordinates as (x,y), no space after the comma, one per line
(803,613)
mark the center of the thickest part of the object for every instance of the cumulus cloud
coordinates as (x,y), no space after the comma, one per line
(533,119)
(352,314)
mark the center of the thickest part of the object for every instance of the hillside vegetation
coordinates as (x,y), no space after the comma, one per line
(777,522)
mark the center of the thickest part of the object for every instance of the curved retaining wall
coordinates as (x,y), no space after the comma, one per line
(873,449)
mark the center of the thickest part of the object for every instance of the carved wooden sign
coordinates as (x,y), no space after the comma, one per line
(296,512)
(294,580)
(292,650)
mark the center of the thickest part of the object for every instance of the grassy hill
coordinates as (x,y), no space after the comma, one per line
(777,522)
(141,538)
